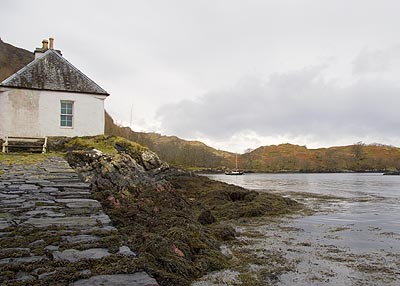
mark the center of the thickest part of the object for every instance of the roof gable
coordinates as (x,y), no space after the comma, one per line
(53,72)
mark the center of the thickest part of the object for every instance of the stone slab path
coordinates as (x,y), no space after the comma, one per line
(52,232)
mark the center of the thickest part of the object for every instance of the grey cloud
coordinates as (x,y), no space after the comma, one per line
(377,61)
(299,103)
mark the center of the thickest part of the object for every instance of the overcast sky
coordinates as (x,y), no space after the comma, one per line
(234,74)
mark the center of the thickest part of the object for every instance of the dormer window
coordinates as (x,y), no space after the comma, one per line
(67,113)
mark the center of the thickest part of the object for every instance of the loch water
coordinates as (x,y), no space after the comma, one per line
(353,238)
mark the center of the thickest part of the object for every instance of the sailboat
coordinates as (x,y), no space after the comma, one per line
(236,171)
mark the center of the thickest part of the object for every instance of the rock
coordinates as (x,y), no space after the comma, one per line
(4,224)
(80,238)
(225,250)
(23,276)
(126,251)
(72,221)
(15,251)
(136,279)
(28,187)
(151,161)
(44,212)
(74,255)
(37,243)
(51,248)
(80,203)
(85,272)
(206,217)
(102,218)
(46,275)
(118,173)
(20,260)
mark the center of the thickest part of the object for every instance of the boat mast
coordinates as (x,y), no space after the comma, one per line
(236,161)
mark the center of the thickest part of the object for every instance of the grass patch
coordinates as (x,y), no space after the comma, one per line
(25,158)
(104,143)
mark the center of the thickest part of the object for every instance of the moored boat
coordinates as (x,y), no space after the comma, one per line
(236,171)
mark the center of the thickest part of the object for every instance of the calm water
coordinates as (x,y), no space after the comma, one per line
(362,225)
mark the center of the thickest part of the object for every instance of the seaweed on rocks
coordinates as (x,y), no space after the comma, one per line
(171,218)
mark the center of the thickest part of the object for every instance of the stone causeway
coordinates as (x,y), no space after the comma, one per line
(53,232)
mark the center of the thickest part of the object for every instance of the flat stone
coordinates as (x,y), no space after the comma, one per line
(71,185)
(42,212)
(136,279)
(46,275)
(77,193)
(12,202)
(48,189)
(28,204)
(37,242)
(80,238)
(14,192)
(102,218)
(74,255)
(23,276)
(4,224)
(33,181)
(7,196)
(80,203)
(51,248)
(25,187)
(4,251)
(85,272)
(52,207)
(66,170)
(20,260)
(72,221)
(106,228)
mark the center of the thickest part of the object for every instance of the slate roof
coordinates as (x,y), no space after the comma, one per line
(53,72)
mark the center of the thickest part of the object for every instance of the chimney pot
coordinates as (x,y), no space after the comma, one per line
(51,43)
(45,45)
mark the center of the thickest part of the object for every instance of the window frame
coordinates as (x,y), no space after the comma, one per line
(67,114)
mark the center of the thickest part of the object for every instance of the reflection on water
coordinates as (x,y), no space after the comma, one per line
(346,185)
(351,240)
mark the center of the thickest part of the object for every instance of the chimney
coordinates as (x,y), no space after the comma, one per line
(45,45)
(51,43)
(40,51)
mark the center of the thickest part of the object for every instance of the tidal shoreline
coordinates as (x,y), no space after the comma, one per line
(320,247)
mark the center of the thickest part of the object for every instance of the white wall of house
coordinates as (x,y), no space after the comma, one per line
(36,113)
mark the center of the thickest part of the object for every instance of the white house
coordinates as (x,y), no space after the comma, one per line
(50,97)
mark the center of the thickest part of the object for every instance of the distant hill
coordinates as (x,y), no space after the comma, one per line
(293,158)
(275,158)
(174,150)
(12,59)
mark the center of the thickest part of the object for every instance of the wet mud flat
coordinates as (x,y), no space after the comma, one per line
(349,240)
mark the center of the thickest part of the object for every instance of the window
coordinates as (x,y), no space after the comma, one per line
(66,113)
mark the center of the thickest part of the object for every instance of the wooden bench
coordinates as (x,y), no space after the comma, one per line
(30,144)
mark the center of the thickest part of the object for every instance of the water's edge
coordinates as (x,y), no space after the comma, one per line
(352,238)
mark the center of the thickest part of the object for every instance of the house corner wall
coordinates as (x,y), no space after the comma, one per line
(35,113)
